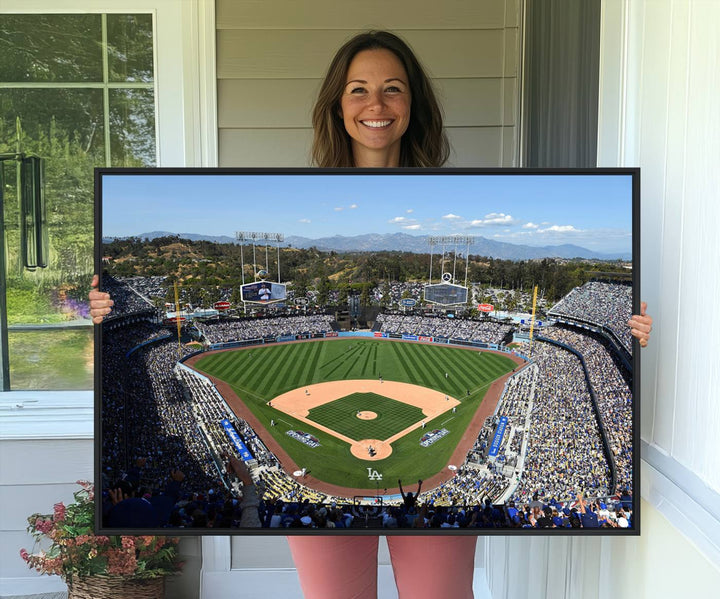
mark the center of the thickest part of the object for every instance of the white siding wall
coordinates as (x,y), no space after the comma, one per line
(37,470)
(45,447)
(672,131)
(271,58)
(660,84)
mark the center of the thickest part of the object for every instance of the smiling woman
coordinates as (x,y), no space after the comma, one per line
(375,107)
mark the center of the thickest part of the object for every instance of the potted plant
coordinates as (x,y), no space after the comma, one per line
(96,566)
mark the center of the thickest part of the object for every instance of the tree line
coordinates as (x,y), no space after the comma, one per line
(207,265)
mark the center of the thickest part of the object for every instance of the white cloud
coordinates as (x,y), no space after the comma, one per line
(338,208)
(411,227)
(494,218)
(304,220)
(530,226)
(452,216)
(409,211)
(353,206)
(398,220)
(498,218)
(560,229)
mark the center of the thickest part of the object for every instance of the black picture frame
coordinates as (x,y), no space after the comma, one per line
(113,402)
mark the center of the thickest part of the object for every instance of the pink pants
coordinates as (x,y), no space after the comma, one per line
(346,567)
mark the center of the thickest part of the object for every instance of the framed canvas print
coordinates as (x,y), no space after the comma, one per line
(402,351)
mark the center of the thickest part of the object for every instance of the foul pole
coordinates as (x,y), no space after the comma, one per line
(532,318)
(177,319)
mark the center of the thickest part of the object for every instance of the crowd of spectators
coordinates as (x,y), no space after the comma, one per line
(611,385)
(439,326)
(604,304)
(130,295)
(257,328)
(564,447)
(147,415)
(392,292)
(515,405)
(576,512)
(468,486)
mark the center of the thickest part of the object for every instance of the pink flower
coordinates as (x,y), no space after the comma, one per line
(44,526)
(25,555)
(128,542)
(59,509)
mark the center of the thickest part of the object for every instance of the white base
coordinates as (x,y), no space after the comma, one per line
(35,587)
(236,584)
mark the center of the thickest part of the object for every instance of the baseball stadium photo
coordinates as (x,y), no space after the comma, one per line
(293,351)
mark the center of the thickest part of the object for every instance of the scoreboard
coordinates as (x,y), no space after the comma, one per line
(263,292)
(446,294)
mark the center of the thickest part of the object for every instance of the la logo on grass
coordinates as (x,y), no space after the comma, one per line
(374,474)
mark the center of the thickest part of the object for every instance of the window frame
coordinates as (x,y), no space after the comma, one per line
(185,130)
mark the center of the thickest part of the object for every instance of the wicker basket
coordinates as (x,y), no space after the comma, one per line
(116,587)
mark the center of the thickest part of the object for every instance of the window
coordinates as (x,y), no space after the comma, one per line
(77,90)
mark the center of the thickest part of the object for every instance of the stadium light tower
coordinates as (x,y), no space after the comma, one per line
(260,292)
(455,240)
(259,236)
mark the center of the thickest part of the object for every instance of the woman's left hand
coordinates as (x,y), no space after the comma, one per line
(100,302)
(641,325)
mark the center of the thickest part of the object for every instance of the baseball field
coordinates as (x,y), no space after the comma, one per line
(368,403)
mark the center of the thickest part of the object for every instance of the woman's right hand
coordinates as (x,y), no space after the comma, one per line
(100,302)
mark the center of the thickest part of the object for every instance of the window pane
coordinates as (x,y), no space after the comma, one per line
(55,359)
(50,336)
(54,121)
(65,127)
(130,48)
(50,48)
(132,127)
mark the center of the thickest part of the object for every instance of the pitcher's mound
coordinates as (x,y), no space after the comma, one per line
(367,415)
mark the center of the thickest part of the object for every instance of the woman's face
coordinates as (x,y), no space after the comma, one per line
(375,107)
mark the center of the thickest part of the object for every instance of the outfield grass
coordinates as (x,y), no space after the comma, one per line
(259,374)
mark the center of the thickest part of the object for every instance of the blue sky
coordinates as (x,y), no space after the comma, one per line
(592,211)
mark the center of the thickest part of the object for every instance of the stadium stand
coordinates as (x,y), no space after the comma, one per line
(159,418)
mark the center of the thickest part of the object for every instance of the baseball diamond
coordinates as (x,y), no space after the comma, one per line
(368,402)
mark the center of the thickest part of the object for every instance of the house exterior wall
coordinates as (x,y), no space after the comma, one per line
(271,59)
